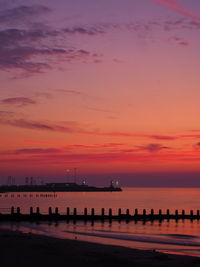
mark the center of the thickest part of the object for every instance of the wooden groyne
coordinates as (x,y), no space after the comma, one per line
(15,214)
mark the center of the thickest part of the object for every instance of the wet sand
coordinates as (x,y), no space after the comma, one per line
(17,249)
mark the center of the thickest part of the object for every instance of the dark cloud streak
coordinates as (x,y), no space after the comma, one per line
(35,47)
(91,31)
(153,147)
(72,127)
(19,101)
(22,14)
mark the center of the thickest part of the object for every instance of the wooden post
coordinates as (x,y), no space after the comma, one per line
(18,210)
(119,212)
(37,210)
(168,213)
(102,212)
(75,212)
(136,212)
(85,212)
(152,212)
(183,213)
(12,210)
(31,210)
(160,212)
(50,211)
(176,213)
(127,212)
(198,213)
(56,211)
(92,212)
(68,211)
(144,212)
(191,213)
(110,213)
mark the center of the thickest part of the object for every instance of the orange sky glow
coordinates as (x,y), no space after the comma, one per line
(107,87)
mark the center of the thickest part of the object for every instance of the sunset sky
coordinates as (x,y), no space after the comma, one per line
(110,87)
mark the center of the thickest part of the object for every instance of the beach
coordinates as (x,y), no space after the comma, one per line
(19,249)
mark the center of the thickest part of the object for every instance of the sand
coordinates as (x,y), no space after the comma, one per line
(20,250)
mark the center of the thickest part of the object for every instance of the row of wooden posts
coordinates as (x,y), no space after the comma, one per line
(91,214)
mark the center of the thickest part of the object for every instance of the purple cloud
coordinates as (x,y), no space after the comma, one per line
(85,30)
(74,127)
(149,30)
(164,137)
(36,47)
(28,124)
(179,41)
(23,57)
(68,91)
(153,147)
(22,14)
(178,8)
(67,127)
(183,43)
(78,128)
(197,145)
(19,101)
(6,114)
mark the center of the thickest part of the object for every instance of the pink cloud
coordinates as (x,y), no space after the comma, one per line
(178,8)
(69,91)
(19,101)
(99,109)
(73,127)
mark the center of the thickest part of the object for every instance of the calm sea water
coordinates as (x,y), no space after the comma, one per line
(182,237)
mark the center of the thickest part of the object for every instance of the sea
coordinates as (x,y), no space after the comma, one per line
(168,236)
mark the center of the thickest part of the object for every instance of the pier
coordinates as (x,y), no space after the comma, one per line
(15,214)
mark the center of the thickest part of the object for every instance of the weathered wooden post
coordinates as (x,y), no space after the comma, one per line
(92,212)
(127,212)
(75,212)
(31,210)
(176,213)
(18,210)
(144,212)
(136,212)
(152,212)
(198,213)
(183,213)
(68,211)
(191,213)
(102,212)
(37,210)
(119,212)
(168,213)
(12,210)
(110,213)
(160,213)
(56,211)
(50,211)
(85,212)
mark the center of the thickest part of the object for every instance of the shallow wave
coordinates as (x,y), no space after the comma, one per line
(182,236)
(139,238)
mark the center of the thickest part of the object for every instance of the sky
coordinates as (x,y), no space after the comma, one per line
(109,87)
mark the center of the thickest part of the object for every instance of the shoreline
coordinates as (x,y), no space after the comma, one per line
(19,249)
